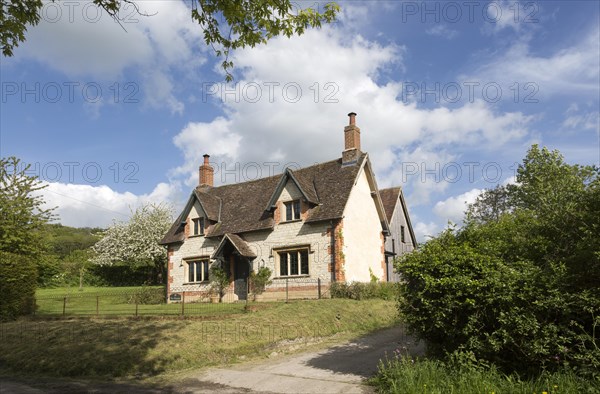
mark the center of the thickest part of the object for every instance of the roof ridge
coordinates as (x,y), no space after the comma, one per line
(207,190)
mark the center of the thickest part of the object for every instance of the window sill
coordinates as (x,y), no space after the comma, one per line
(206,282)
(195,235)
(292,276)
(290,221)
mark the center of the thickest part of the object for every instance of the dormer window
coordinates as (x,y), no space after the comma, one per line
(198,226)
(292,210)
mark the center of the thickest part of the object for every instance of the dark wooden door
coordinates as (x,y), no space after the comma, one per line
(240,275)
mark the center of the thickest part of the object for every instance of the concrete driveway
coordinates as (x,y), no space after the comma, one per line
(339,369)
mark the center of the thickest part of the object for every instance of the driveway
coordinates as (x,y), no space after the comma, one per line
(339,369)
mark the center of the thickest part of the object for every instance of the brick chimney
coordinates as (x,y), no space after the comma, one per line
(351,142)
(206,173)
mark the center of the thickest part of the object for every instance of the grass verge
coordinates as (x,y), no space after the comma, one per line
(407,376)
(121,347)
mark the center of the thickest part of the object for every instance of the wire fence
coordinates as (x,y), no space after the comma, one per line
(146,301)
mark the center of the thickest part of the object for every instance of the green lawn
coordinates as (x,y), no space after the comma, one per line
(120,301)
(126,347)
(87,291)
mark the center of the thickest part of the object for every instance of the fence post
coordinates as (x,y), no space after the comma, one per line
(286,290)
(319,287)
(97,305)
(64,305)
(183,304)
(136,306)
(34,305)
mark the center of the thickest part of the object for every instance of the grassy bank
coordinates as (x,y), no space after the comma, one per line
(88,347)
(408,376)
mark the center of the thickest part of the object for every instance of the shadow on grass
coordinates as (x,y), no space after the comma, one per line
(361,356)
(86,347)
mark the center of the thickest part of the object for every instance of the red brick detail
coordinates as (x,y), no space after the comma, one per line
(186,229)
(339,258)
(383,264)
(351,137)
(277,213)
(206,173)
(304,207)
(169,269)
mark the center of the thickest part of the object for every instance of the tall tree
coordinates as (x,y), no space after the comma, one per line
(227,24)
(136,242)
(22,219)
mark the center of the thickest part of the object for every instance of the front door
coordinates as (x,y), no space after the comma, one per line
(241,272)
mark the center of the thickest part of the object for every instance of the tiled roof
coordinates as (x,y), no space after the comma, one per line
(240,207)
(238,243)
(389,197)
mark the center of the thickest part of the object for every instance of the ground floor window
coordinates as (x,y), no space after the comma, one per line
(197,271)
(293,262)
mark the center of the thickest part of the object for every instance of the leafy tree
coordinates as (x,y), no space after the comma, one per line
(136,242)
(518,285)
(22,218)
(76,264)
(227,24)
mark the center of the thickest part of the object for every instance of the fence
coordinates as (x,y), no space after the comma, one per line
(152,301)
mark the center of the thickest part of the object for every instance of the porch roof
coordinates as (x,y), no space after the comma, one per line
(238,243)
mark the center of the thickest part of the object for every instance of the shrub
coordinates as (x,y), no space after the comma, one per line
(147,296)
(18,278)
(259,280)
(364,291)
(459,296)
(219,280)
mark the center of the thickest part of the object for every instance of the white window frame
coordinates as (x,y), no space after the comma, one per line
(294,250)
(204,273)
(296,214)
(198,226)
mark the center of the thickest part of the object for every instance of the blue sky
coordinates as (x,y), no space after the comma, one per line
(449,97)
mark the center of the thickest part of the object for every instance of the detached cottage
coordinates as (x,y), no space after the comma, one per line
(328,221)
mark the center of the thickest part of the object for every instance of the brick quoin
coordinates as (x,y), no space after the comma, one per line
(340,275)
(277,213)
(186,229)
(169,269)
(303,210)
(383,265)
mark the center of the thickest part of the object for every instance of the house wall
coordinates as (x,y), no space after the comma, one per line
(362,244)
(398,220)
(193,246)
(290,234)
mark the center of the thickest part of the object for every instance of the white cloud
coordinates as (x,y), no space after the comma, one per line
(443,31)
(573,70)
(81,41)
(424,231)
(290,101)
(577,120)
(453,208)
(97,206)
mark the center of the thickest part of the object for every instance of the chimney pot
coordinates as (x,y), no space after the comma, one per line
(206,156)
(352,116)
